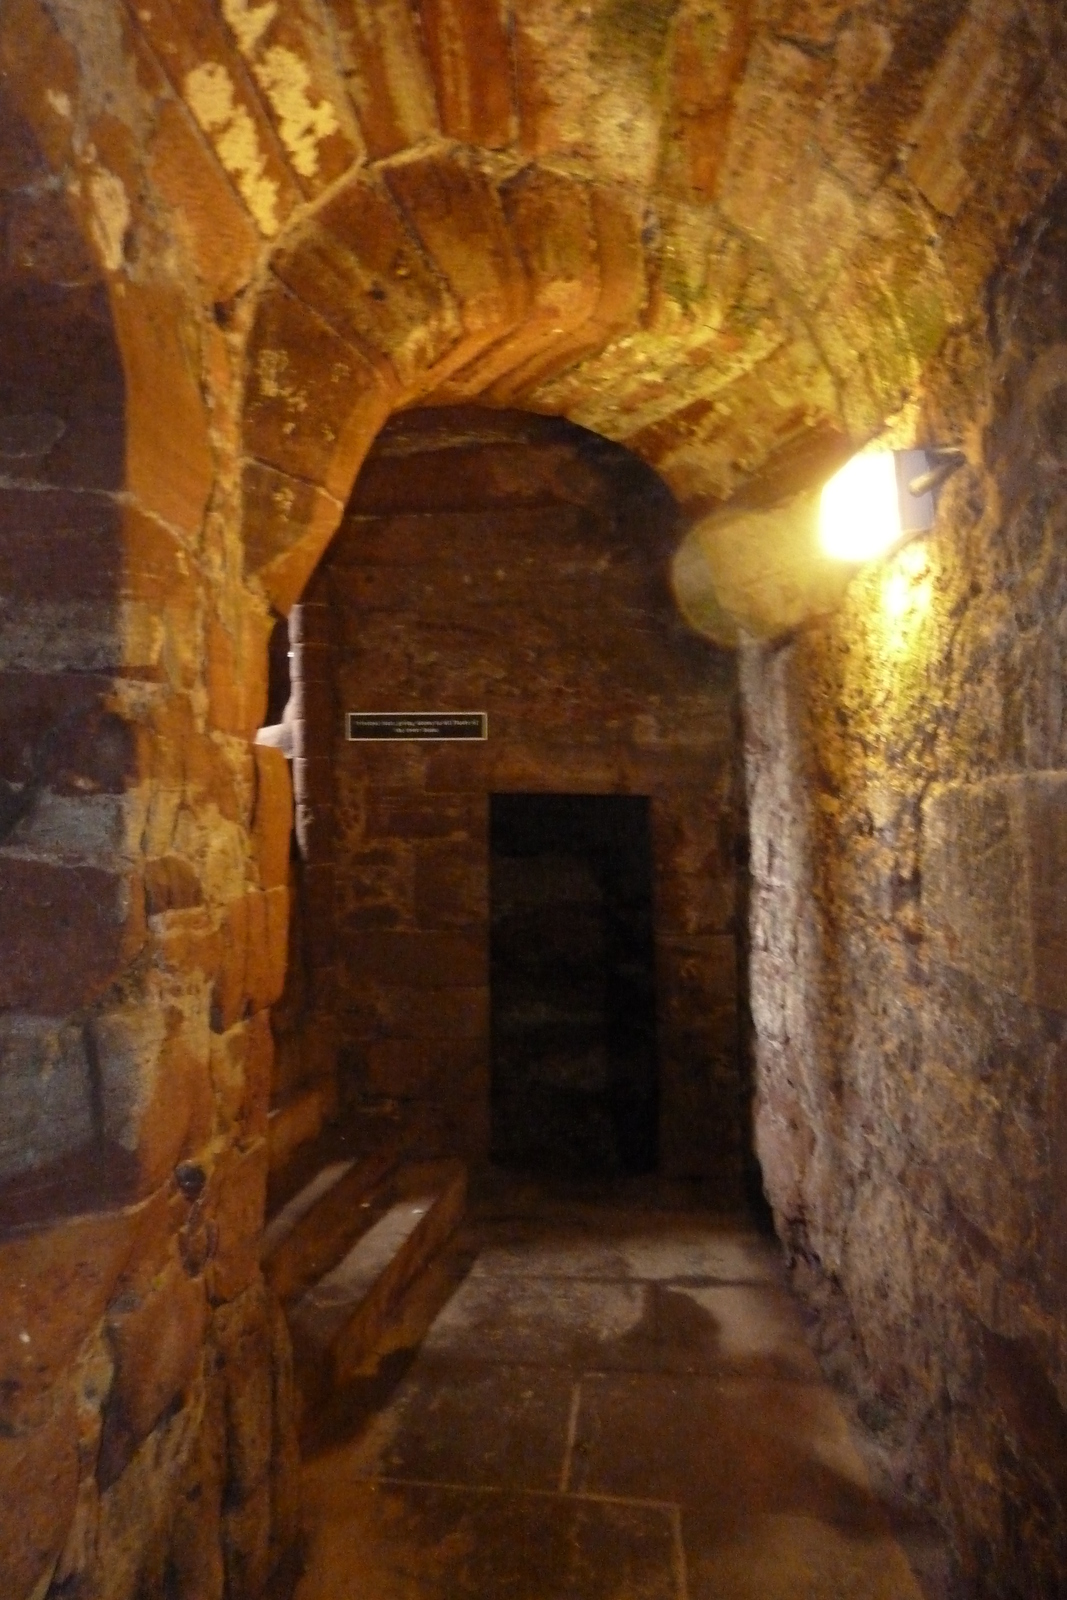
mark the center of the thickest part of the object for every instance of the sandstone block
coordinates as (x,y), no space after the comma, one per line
(294,1123)
(382,1011)
(241,1062)
(622,300)
(551,220)
(155,1085)
(302,88)
(458,216)
(218,229)
(451,885)
(994,882)
(209,76)
(39,1487)
(428,960)
(158,1347)
(136,1512)
(169,466)
(288,524)
(272,817)
(244,1337)
(470,52)
(195,1567)
(387,74)
(65,933)
(237,1197)
(170,884)
(362,269)
(246,1544)
(237,671)
(55,1283)
(439,1069)
(252,956)
(315,402)
(45,1098)
(784,1135)
(404,814)
(286,1506)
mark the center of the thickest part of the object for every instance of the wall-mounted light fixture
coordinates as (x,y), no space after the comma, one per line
(881,498)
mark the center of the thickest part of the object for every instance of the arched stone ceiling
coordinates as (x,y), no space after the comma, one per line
(729,234)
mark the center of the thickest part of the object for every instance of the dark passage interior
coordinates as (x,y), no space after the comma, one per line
(572,984)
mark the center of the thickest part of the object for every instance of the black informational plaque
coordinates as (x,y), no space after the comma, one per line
(363,725)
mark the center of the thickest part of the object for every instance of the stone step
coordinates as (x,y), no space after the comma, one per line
(296,1122)
(313,1231)
(339,1321)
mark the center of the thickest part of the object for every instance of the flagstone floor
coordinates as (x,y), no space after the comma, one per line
(617,1402)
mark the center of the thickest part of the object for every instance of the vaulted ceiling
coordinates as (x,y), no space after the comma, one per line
(729,234)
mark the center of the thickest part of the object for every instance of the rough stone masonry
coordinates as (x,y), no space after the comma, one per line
(738,237)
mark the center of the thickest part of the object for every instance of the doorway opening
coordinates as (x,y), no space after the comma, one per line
(572,984)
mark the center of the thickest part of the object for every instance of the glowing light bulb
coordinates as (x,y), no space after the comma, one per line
(859,514)
(897,595)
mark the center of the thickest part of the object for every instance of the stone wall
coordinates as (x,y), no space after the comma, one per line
(235,238)
(518,566)
(146,1412)
(908,780)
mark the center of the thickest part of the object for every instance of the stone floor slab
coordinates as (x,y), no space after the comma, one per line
(570,1322)
(749,1330)
(729,1448)
(616,1404)
(467,1423)
(795,1558)
(657,1249)
(390,1541)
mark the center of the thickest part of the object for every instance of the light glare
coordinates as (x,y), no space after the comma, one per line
(859,514)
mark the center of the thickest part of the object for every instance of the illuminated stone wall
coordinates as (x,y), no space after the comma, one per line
(235,239)
(908,783)
(512,564)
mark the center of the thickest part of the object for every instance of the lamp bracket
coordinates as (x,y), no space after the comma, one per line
(943,463)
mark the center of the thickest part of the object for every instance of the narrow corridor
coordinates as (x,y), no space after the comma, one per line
(616,1403)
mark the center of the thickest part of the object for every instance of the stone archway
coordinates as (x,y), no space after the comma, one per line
(732,238)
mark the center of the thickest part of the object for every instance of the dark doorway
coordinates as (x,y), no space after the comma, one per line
(572,982)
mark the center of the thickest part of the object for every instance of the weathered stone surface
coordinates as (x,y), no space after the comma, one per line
(169,469)
(906,784)
(157,1350)
(464,540)
(151,1068)
(470,50)
(787,216)
(272,819)
(39,1475)
(995,911)
(457,214)
(209,76)
(66,932)
(217,228)
(361,268)
(315,401)
(238,1196)
(195,1565)
(290,524)
(241,1062)
(56,1281)
(388,74)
